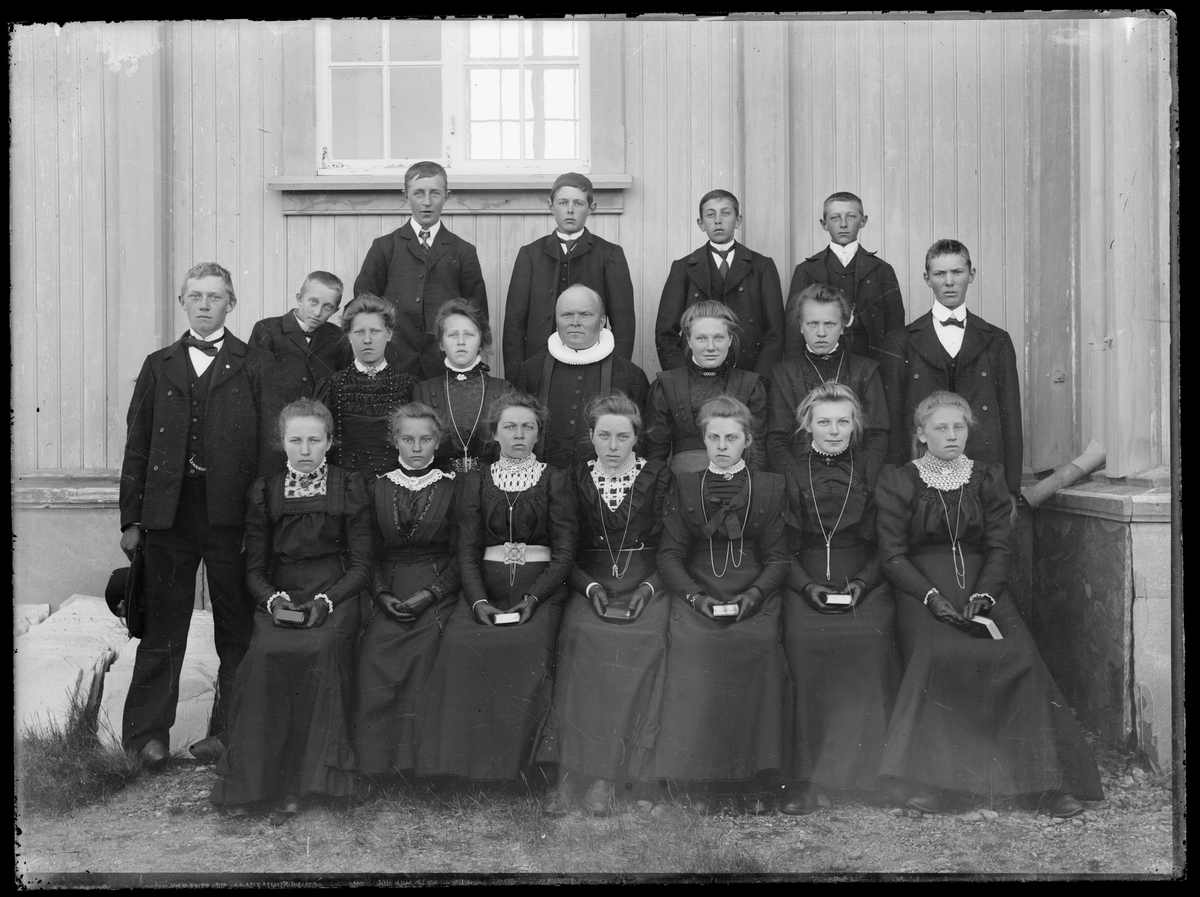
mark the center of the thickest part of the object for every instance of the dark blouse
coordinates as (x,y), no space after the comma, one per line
(701,507)
(543,514)
(289,530)
(912,518)
(362,407)
(463,406)
(818,503)
(413,526)
(792,380)
(637,521)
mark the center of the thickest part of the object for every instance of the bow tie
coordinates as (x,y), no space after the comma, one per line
(953,322)
(209,349)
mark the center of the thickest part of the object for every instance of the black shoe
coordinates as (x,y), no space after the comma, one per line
(288,809)
(560,801)
(757,805)
(154,754)
(927,800)
(802,801)
(208,750)
(1064,806)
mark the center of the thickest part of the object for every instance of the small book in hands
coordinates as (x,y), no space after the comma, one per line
(618,607)
(984,627)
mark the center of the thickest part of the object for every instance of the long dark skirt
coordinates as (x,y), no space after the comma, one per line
(487,699)
(979,716)
(844,674)
(288,732)
(394,663)
(723,691)
(609,676)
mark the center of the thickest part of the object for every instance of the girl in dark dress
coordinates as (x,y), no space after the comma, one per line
(416,588)
(308,555)
(839,617)
(822,314)
(723,553)
(465,392)
(976,716)
(672,421)
(489,693)
(614,633)
(363,395)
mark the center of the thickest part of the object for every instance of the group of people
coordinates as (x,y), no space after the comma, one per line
(775,574)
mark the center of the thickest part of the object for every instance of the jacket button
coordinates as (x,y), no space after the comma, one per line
(162,429)
(420,275)
(303,379)
(985,407)
(741,289)
(866,281)
(983,373)
(169,392)
(916,376)
(695,295)
(156,467)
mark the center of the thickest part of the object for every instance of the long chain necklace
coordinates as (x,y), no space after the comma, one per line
(818,370)
(828,537)
(956,552)
(466,443)
(618,573)
(712,561)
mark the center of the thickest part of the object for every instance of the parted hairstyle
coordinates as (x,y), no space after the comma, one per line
(720,194)
(831,392)
(941,399)
(209,269)
(724,406)
(711,308)
(821,294)
(425,170)
(305,408)
(465,308)
(841,196)
(514,398)
(368,304)
(325,279)
(614,403)
(947,247)
(415,411)
(576,180)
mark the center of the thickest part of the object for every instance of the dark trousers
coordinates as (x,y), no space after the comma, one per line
(172,558)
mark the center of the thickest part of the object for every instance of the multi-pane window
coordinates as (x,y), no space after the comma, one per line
(481,95)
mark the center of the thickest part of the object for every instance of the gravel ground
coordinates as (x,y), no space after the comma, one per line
(162,829)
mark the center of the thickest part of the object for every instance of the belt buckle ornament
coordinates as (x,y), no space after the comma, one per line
(514,552)
(465,465)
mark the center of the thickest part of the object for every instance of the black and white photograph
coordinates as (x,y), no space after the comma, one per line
(607,448)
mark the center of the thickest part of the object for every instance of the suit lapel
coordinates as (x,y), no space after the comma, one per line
(437,248)
(864,263)
(740,267)
(294,331)
(551,249)
(175,367)
(925,341)
(583,245)
(228,361)
(975,339)
(698,270)
(409,236)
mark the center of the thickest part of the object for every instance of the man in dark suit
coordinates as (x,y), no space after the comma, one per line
(580,364)
(728,272)
(306,349)
(550,264)
(418,267)
(867,280)
(950,348)
(195,430)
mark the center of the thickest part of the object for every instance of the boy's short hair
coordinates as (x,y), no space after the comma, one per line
(304,407)
(368,304)
(425,170)
(720,194)
(841,196)
(947,247)
(325,279)
(466,308)
(576,180)
(209,269)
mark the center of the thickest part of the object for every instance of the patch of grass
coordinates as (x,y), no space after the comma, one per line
(61,768)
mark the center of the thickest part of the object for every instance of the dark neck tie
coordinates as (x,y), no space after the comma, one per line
(567,245)
(424,237)
(723,268)
(209,349)
(953,322)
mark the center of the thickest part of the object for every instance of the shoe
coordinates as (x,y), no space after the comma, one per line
(802,801)
(288,809)
(208,750)
(238,811)
(1064,806)
(757,805)
(599,798)
(560,802)
(154,754)
(926,801)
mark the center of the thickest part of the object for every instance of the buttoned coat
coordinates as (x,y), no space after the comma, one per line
(156,450)
(753,292)
(915,365)
(876,299)
(397,269)
(541,273)
(299,364)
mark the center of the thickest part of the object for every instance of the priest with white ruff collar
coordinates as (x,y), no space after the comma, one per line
(579,365)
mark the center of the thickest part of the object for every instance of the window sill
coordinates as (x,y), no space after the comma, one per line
(460,183)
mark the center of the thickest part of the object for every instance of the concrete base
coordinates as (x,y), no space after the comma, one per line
(63,551)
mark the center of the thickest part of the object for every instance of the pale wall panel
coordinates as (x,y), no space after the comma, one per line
(22,197)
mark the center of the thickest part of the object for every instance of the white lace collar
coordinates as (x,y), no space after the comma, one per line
(416,484)
(564,353)
(371,371)
(516,476)
(613,485)
(464,370)
(944,475)
(728,472)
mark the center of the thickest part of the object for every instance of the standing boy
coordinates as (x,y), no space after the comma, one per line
(728,272)
(950,348)
(191,453)
(305,346)
(550,264)
(418,267)
(867,280)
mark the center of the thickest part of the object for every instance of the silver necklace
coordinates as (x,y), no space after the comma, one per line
(828,537)
(956,552)
(712,561)
(466,444)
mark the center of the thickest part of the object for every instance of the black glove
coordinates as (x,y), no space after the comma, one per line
(939,605)
(641,595)
(857,590)
(392,606)
(749,602)
(976,606)
(814,594)
(703,604)
(417,603)
(599,597)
